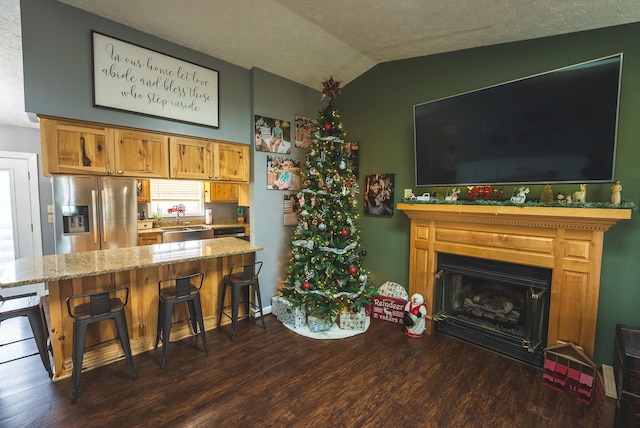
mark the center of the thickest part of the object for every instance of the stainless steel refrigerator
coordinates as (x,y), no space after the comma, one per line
(93,213)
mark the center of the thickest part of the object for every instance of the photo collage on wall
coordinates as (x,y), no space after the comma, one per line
(283,173)
(378,196)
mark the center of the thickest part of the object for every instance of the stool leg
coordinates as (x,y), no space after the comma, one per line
(79,337)
(123,334)
(159,324)
(197,306)
(257,293)
(167,313)
(39,328)
(245,300)
(221,305)
(193,316)
(235,301)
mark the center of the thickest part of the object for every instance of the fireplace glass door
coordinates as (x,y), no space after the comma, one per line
(497,305)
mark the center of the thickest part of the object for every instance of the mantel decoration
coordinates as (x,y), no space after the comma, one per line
(132,78)
(325,275)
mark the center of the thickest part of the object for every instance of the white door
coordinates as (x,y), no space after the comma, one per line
(20,233)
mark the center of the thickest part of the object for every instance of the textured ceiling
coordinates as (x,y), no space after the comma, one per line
(307,41)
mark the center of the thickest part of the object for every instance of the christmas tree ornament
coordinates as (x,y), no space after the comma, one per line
(353,270)
(322,226)
(327,127)
(344,232)
(306,285)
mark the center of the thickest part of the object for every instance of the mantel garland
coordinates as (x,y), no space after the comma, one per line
(508,203)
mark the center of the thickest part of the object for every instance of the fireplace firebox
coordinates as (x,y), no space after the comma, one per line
(494,304)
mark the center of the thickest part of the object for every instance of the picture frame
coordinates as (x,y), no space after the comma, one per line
(379,194)
(272,135)
(131,78)
(283,173)
(304,131)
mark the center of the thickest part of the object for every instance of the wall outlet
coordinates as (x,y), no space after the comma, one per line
(50,218)
(50,209)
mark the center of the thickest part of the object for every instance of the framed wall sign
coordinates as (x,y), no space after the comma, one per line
(131,78)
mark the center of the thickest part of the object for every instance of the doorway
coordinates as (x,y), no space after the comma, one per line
(20,231)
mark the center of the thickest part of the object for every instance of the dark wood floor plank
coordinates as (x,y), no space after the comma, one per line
(275,377)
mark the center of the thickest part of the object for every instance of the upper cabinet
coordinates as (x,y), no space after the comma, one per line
(231,162)
(141,154)
(75,147)
(70,147)
(190,158)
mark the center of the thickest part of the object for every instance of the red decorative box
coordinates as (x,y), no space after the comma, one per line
(388,308)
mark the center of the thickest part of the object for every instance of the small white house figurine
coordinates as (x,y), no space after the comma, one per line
(581,195)
(521,197)
(414,316)
(453,196)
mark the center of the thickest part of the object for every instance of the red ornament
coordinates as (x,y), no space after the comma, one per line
(327,127)
(352,270)
(306,285)
(344,232)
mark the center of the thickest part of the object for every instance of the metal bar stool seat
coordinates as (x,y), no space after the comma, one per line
(241,278)
(172,291)
(29,306)
(101,306)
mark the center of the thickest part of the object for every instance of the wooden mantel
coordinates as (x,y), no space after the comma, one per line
(567,240)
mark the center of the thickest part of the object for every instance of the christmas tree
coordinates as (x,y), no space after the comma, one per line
(325,273)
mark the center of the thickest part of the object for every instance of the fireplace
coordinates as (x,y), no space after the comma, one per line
(565,243)
(497,305)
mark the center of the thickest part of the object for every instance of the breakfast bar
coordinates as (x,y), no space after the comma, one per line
(140,269)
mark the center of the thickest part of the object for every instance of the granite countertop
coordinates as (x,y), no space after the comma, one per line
(56,267)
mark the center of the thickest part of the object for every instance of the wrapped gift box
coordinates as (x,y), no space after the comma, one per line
(390,302)
(274,305)
(287,314)
(355,321)
(317,324)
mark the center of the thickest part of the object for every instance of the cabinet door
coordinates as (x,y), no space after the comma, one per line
(220,192)
(149,238)
(75,148)
(141,154)
(190,158)
(230,162)
(143,191)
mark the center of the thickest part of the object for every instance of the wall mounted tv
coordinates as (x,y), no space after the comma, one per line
(555,127)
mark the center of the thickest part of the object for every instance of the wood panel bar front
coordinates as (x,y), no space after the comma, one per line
(567,240)
(140,269)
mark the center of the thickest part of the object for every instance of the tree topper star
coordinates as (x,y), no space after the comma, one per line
(330,88)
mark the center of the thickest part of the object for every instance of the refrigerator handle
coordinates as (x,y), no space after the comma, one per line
(104,217)
(95,216)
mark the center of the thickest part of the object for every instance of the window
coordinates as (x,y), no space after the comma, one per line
(166,194)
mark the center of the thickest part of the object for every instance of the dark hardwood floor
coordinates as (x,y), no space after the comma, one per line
(275,377)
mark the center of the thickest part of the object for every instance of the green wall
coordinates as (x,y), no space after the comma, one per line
(377,111)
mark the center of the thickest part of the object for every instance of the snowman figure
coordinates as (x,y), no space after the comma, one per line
(414,316)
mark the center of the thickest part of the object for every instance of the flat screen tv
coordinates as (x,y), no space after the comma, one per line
(554,127)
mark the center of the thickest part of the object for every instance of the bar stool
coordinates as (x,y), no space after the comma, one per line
(29,306)
(181,289)
(240,279)
(102,306)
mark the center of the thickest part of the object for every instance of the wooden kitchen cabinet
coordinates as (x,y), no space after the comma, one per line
(70,147)
(220,192)
(190,158)
(141,154)
(230,162)
(149,238)
(143,191)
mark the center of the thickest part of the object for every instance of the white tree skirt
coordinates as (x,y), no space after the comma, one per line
(334,332)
